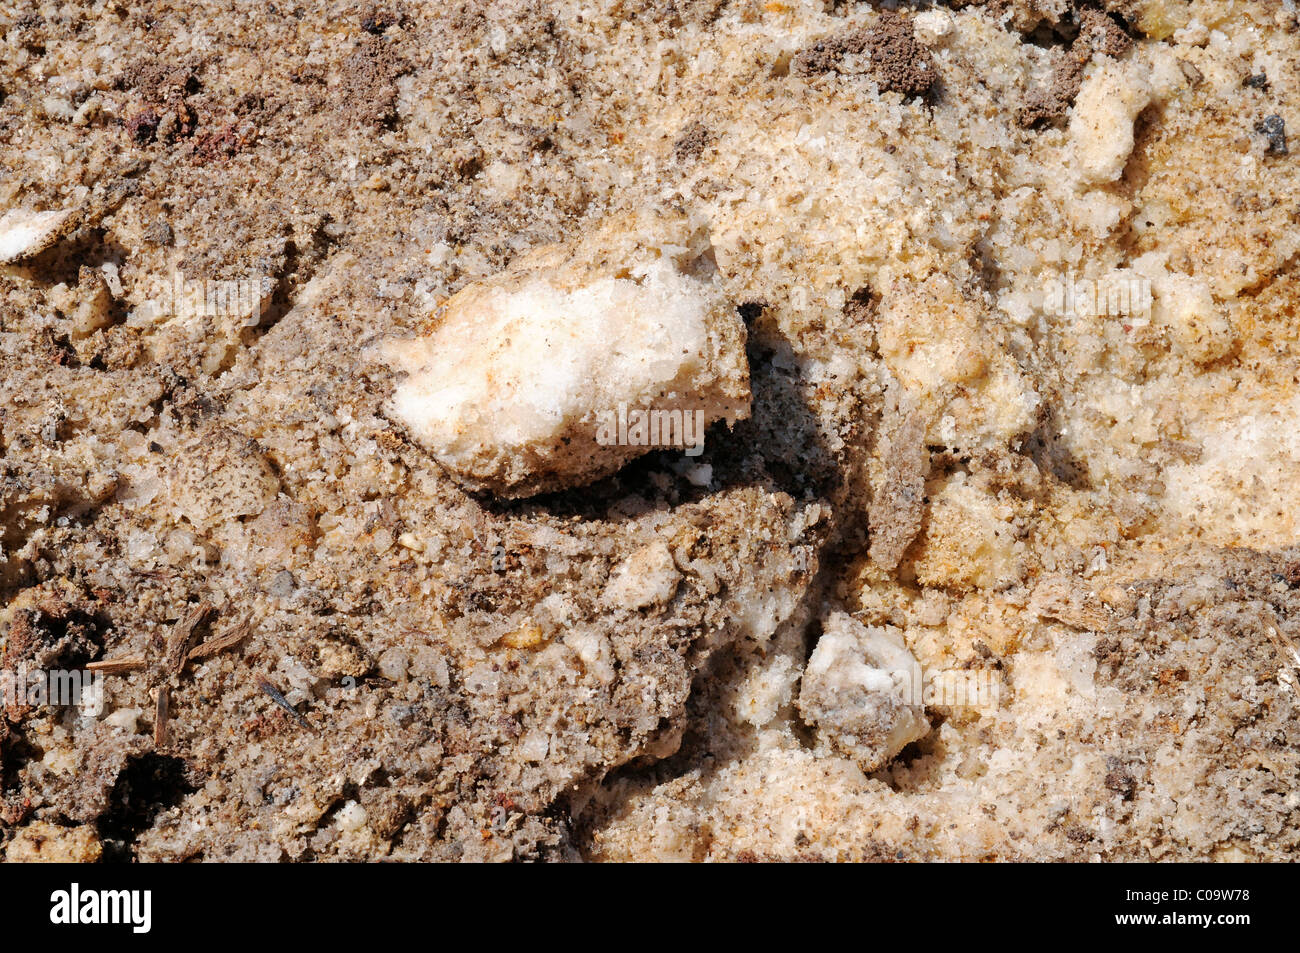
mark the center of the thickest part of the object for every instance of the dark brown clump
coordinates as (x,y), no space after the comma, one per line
(162,91)
(158,232)
(143,126)
(1078,835)
(861,306)
(692,142)
(223,143)
(158,83)
(1043,107)
(826,56)
(164,112)
(899,63)
(1102,33)
(370,82)
(1119,780)
(1098,34)
(1292,573)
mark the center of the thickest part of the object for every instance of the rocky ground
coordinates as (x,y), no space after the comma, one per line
(320,639)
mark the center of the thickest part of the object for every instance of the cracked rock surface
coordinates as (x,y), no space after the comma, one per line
(991,309)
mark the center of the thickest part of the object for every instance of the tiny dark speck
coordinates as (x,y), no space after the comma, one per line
(1258,81)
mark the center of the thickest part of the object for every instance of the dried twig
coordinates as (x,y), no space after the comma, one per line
(117,666)
(227,640)
(181,640)
(275,696)
(161,712)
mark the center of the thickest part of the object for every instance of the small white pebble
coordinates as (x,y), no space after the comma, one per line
(647,577)
(932,25)
(126,719)
(535,745)
(409,541)
(351,817)
(56,107)
(393,664)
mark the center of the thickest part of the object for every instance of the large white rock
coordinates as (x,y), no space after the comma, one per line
(525,382)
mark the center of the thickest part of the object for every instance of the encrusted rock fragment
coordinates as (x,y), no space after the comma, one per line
(898,493)
(42,842)
(972,538)
(862,691)
(88,305)
(220,476)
